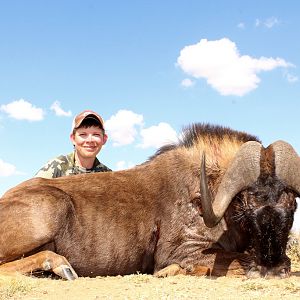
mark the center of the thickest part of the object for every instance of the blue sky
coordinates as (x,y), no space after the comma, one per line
(149,68)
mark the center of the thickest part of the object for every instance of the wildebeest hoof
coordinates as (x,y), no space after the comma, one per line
(65,272)
(284,273)
(170,270)
(259,271)
(253,273)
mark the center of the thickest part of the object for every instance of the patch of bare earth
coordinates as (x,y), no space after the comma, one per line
(149,287)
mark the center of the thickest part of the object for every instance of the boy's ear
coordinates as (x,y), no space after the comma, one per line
(105,137)
(72,137)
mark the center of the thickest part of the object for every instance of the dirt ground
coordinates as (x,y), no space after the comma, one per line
(149,287)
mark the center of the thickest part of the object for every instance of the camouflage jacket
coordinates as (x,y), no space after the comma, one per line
(64,165)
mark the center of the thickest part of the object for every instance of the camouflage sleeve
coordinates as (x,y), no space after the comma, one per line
(102,168)
(52,169)
(105,169)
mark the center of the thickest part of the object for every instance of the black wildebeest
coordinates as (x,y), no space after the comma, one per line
(231,216)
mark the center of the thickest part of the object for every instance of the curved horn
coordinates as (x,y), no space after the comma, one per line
(287,164)
(243,170)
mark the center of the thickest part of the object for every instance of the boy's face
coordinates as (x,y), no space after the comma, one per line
(88,141)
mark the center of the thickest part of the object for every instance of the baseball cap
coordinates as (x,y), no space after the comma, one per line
(87,114)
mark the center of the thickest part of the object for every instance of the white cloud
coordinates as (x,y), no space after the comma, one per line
(121,127)
(296,225)
(56,107)
(123,165)
(291,78)
(23,110)
(6,169)
(257,22)
(241,25)
(187,82)
(220,63)
(269,23)
(157,136)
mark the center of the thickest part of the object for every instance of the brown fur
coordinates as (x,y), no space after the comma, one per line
(139,220)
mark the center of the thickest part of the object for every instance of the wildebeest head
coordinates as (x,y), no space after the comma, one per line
(264,184)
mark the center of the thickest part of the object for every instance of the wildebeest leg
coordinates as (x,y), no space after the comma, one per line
(233,268)
(229,263)
(175,269)
(30,223)
(44,260)
(214,263)
(148,257)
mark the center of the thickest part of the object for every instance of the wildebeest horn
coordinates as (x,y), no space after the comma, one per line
(287,164)
(242,171)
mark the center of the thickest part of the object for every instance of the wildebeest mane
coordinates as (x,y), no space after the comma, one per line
(193,133)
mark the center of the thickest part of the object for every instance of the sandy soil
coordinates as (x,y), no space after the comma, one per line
(149,287)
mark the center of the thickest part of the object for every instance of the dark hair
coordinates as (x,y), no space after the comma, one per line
(89,122)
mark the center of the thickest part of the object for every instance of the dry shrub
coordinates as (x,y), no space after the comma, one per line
(293,247)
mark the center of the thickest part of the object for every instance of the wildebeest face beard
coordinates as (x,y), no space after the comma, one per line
(271,226)
(269,215)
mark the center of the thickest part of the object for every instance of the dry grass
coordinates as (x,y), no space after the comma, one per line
(14,286)
(148,287)
(293,248)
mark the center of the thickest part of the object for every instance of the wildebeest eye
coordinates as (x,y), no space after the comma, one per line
(251,193)
(240,198)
